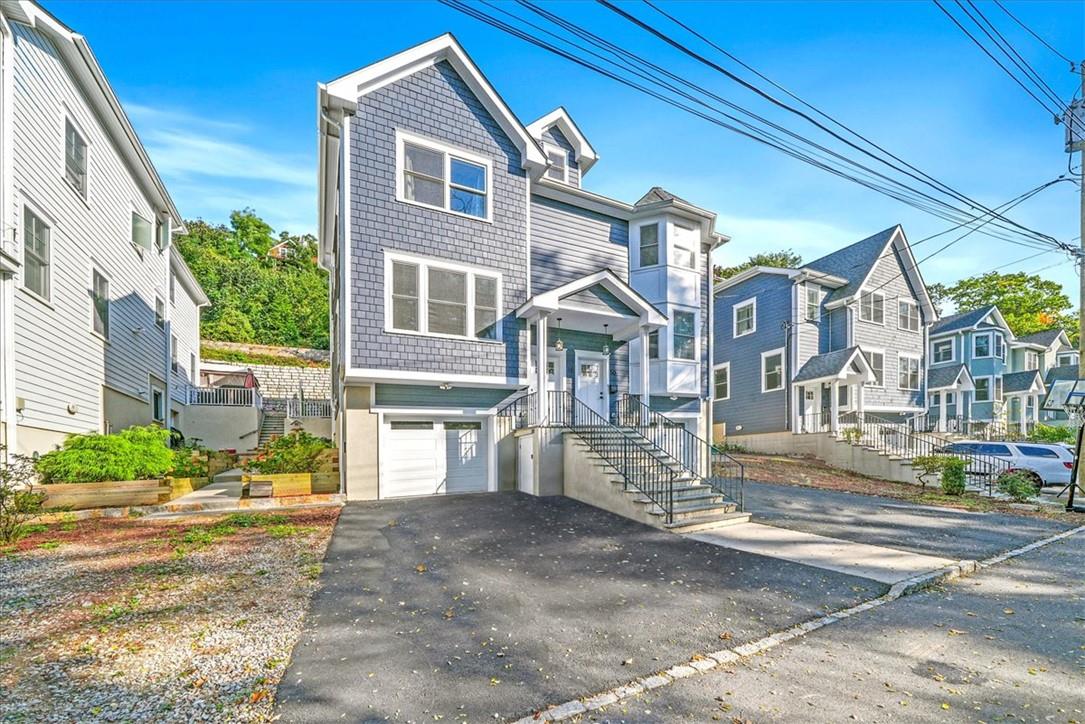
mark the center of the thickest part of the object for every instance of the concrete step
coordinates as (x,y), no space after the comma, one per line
(692,511)
(708,522)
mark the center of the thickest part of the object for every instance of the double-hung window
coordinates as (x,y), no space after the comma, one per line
(442,177)
(429,297)
(908,377)
(159,313)
(685,335)
(981,345)
(942,351)
(1032,360)
(175,364)
(683,247)
(653,344)
(722,381)
(649,245)
(872,307)
(161,234)
(1065,359)
(745,318)
(999,347)
(876,360)
(908,315)
(559,162)
(814,295)
(75,158)
(983,389)
(772,371)
(99,294)
(37,243)
(998,388)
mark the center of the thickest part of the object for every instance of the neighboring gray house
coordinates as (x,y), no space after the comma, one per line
(458,238)
(796,349)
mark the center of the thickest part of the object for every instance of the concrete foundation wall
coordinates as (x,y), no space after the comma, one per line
(36,440)
(588,480)
(832,452)
(221,428)
(120,410)
(359,436)
(319,426)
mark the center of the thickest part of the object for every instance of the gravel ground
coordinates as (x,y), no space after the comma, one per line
(168,620)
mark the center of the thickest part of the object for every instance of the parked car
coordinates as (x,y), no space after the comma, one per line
(1044,463)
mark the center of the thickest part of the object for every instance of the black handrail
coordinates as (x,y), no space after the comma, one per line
(709,464)
(642,464)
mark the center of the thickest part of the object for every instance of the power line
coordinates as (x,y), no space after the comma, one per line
(953,214)
(1033,33)
(923,178)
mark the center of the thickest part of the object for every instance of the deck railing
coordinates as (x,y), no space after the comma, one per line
(308,408)
(225,396)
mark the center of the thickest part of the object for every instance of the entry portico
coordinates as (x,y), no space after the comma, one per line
(583,323)
(827,385)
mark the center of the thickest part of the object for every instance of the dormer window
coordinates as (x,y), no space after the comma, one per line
(442,177)
(559,162)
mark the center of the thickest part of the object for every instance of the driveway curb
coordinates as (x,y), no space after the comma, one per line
(703,663)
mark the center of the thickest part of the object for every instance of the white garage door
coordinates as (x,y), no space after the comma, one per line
(433,457)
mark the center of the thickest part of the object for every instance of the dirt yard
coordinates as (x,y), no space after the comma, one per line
(189,619)
(813,473)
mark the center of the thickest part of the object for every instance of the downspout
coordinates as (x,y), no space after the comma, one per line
(168,326)
(9,442)
(710,363)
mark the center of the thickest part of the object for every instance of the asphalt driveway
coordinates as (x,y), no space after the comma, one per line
(484,606)
(945,532)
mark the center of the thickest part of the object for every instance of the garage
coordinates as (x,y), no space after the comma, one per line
(433,457)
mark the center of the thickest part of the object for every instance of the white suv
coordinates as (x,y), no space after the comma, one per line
(1044,463)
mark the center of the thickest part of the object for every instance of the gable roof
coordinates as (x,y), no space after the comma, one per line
(585,154)
(550,300)
(833,364)
(658,194)
(1026,381)
(1044,339)
(939,378)
(1062,372)
(348,88)
(92,81)
(972,319)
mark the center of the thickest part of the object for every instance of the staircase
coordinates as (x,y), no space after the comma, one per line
(272,425)
(646,467)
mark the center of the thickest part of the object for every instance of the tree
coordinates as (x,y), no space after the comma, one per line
(255,297)
(1029,303)
(785,259)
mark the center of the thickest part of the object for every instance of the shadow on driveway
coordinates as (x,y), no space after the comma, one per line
(521,602)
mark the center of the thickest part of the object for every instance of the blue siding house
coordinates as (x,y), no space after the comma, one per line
(797,349)
(471,267)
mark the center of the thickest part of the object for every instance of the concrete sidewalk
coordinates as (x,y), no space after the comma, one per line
(886,565)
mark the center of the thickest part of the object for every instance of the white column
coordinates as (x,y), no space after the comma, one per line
(796,409)
(942,411)
(860,391)
(540,366)
(834,407)
(645,371)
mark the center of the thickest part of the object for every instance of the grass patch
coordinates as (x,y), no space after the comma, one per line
(49,545)
(254,520)
(313,571)
(33,528)
(106,613)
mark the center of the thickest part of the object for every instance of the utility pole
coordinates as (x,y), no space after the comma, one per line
(1075,141)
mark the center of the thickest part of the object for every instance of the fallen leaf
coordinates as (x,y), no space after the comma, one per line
(421,568)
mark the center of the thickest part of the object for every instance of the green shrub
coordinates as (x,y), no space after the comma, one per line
(1053,433)
(189,462)
(1019,486)
(953,476)
(295,452)
(19,502)
(133,454)
(928,466)
(852,435)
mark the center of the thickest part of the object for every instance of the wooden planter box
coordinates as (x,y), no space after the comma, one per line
(111,494)
(290,484)
(184,486)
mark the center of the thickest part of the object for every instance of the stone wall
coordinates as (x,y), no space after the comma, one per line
(282,381)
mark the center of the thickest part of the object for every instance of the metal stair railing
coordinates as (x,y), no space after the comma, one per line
(641,463)
(896,439)
(710,465)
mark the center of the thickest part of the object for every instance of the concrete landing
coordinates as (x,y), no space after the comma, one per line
(886,565)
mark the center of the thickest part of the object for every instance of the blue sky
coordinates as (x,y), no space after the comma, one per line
(223,95)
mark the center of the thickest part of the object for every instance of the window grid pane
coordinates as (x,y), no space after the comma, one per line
(744,319)
(405,296)
(649,245)
(485,307)
(36,254)
(722,383)
(75,158)
(774,372)
(447,302)
(100,299)
(685,327)
(141,231)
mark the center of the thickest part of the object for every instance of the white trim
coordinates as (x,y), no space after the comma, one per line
(873,295)
(551,300)
(720,366)
(66,116)
(548,148)
(424,264)
(449,152)
(918,359)
(990,345)
(918,315)
(96,269)
(750,273)
(370,374)
(783,373)
(952,349)
(24,205)
(990,389)
(874,381)
(584,153)
(604,375)
(734,317)
(350,87)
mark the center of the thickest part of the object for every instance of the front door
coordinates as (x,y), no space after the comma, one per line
(591,382)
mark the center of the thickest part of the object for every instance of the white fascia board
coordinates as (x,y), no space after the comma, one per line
(750,273)
(584,153)
(188,279)
(825,280)
(550,301)
(86,71)
(331,114)
(557,191)
(356,375)
(443,48)
(1001,322)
